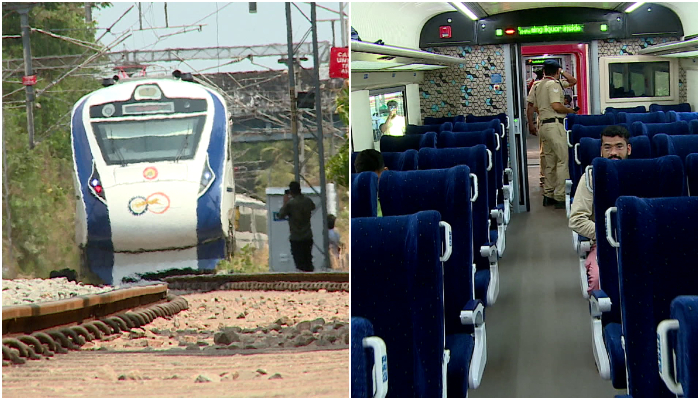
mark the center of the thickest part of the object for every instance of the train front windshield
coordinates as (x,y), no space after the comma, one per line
(134,141)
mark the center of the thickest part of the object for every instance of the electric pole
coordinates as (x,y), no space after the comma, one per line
(292,90)
(88,12)
(29,88)
(319,136)
(343,26)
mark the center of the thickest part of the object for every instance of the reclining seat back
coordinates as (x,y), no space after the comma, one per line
(579,132)
(397,284)
(617,110)
(674,116)
(651,129)
(469,139)
(656,177)
(447,191)
(363,194)
(406,161)
(691,172)
(421,129)
(684,309)
(353,157)
(590,149)
(647,118)
(476,158)
(678,145)
(501,142)
(360,358)
(588,120)
(503,119)
(402,143)
(437,120)
(657,261)
(694,127)
(682,107)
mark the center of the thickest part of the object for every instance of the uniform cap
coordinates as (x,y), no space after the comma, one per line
(552,63)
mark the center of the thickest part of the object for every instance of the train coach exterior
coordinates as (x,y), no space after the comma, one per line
(153,178)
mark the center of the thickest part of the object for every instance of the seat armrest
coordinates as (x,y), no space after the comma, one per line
(498,216)
(490,252)
(472,313)
(584,246)
(599,302)
(567,186)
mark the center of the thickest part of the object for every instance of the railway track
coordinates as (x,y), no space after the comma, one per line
(43,329)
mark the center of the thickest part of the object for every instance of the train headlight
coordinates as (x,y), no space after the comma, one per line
(95,185)
(207,178)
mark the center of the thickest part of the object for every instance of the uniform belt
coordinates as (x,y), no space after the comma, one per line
(547,121)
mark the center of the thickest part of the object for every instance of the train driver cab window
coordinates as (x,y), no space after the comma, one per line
(640,79)
(125,142)
(388,110)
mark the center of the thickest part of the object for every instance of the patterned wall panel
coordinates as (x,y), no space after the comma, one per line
(465,88)
(630,47)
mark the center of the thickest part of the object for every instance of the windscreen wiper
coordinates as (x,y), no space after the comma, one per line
(116,150)
(184,145)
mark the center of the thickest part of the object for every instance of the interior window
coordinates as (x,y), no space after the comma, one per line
(388,113)
(640,79)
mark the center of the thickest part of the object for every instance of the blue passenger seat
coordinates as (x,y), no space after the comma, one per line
(674,116)
(368,360)
(682,107)
(363,194)
(648,118)
(691,172)
(407,142)
(489,138)
(477,158)
(397,282)
(587,120)
(450,192)
(405,161)
(421,129)
(657,177)
(657,249)
(651,129)
(684,324)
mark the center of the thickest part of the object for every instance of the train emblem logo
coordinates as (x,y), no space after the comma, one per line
(157,203)
(150,173)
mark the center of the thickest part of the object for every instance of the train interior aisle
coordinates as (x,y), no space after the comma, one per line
(539,337)
(464,284)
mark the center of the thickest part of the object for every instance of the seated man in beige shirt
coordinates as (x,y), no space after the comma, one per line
(615,145)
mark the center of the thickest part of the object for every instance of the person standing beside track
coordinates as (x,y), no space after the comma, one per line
(298,208)
(614,145)
(548,98)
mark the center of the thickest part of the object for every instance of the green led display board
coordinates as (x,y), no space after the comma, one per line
(550,29)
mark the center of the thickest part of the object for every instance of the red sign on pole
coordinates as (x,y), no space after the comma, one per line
(29,80)
(340,63)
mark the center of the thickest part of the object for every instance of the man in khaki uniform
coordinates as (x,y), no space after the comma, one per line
(615,145)
(548,98)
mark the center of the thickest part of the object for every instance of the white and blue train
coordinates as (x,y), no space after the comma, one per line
(153,177)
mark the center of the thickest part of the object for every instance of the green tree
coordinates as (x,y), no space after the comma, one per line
(38,197)
(337,168)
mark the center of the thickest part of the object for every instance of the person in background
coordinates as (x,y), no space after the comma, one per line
(568,103)
(533,122)
(615,145)
(334,244)
(394,125)
(298,208)
(548,98)
(371,160)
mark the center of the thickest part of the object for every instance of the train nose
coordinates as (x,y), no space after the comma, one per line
(154,216)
